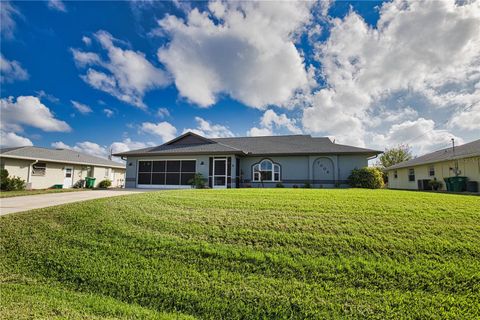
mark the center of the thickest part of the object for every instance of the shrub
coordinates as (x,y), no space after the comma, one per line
(11,183)
(435,184)
(280,185)
(295,186)
(368,177)
(307,185)
(3,178)
(105,183)
(197,181)
(17,183)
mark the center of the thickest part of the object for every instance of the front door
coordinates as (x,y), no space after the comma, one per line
(68,180)
(219,173)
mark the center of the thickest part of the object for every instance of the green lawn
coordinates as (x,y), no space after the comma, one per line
(246,254)
(9,194)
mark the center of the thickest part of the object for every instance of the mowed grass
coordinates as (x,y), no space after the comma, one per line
(246,254)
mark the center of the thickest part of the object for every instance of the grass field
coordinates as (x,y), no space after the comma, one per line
(9,194)
(245,254)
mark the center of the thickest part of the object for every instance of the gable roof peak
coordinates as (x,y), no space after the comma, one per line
(197,139)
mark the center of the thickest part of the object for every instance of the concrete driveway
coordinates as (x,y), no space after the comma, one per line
(24,203)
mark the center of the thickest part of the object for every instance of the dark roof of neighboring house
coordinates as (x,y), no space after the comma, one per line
(471,149)
(57,155)
(269,145)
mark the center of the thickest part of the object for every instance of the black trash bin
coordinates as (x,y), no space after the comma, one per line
(472,186)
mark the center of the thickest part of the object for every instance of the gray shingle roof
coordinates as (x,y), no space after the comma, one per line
(57,155)
(471,149)
(292,144)
(269,145)
(207,148)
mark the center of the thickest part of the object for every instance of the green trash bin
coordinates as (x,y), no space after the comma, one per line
(448,183)
(458,184)
(89,182)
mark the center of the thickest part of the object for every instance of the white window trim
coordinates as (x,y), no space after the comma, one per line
(256,174)
(414,177)
(43,172)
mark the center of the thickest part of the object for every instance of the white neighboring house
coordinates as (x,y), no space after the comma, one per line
(43,168)
(464,160)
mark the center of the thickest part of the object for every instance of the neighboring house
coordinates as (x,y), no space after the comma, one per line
(244,161)
(43,168)
(462,160)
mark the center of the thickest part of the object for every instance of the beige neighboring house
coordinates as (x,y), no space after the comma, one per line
(43,168)
(462,160)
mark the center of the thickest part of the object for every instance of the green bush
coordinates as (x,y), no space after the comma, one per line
(11,183)
(307,185)
(3,178)
(105,183)
(197,181)
(280,185)
(368,177)
(435,184)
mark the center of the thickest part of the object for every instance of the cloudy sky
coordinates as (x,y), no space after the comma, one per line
(96,76)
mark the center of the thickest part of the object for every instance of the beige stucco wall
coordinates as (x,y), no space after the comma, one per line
(469,167)
(16,167)
(55,173)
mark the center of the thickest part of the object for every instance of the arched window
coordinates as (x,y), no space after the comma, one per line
(266,170)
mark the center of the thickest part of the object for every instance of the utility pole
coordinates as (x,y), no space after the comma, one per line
(455,160)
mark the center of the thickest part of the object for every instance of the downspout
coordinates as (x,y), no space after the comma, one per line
(29,175)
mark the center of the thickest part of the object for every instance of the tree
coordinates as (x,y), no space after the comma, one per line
(395,155)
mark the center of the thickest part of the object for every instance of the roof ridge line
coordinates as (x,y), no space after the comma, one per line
(226,145)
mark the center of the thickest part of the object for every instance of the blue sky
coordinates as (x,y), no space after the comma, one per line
(93,76)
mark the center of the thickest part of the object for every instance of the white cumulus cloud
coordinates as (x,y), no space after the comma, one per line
(467,119)
(29,111)
(163,112)
(426,49)
(421,133)
(103,151)
(11,70)
(57,5)
(207,129)
(126,74)
(127,144)
(11,139)
(242,49)
(255,132)
(86,147)
(82,108)
(164,130)
(8,14)
(108,112)
(86,40)
(270,121)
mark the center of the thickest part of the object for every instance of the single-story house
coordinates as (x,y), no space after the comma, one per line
(414,174)
(43,168)
(244,161)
